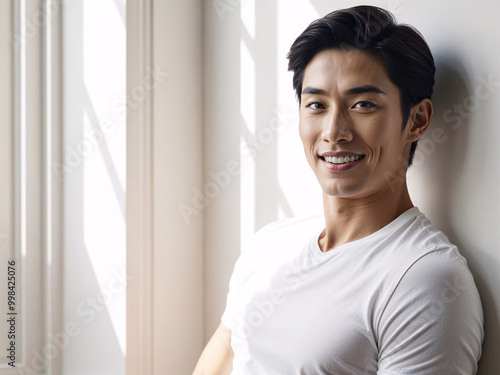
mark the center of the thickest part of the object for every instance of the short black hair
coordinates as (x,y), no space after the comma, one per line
(400,48)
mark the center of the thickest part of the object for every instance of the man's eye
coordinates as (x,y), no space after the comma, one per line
(315,105)
(364,105)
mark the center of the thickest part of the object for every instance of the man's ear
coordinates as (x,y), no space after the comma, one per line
(420,118)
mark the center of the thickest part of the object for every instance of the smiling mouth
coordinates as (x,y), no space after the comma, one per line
(342,159)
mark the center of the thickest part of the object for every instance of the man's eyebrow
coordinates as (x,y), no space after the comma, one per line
(313,91)
(352,91)
(364,89)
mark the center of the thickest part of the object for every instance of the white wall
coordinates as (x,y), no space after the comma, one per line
(94,282)
(247,89)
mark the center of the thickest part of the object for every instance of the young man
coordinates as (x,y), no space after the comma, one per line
(375,288)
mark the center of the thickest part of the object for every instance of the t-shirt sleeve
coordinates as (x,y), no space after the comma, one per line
(251,258)
(229,317)
(433,323)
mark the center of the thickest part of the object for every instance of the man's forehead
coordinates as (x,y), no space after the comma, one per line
(344,69)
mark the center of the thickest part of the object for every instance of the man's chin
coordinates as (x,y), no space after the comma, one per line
(341,189)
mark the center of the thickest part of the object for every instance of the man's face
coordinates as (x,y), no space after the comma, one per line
(351,125)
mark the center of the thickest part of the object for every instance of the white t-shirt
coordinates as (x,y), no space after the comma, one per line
(399,301)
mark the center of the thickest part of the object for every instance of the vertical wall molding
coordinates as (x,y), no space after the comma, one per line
(53,182)
(33,47)
(139,193)
(9,76)
(19,175)
(164,123)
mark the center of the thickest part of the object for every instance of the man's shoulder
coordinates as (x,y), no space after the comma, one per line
(422,234)
(410,242)
(421,251)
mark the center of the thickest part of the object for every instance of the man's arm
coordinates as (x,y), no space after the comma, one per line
(217,357)
(433,323)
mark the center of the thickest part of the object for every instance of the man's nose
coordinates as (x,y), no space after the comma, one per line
(336,128)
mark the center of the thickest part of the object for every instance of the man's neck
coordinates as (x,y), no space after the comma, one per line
(349,220)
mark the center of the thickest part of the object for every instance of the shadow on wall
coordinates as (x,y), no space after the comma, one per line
(442,154)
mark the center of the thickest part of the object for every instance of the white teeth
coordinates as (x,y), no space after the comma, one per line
(341,159)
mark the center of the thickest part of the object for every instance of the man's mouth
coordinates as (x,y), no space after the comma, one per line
(341,159)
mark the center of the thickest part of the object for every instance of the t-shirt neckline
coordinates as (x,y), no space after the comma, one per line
(382,232)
